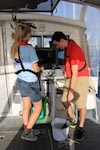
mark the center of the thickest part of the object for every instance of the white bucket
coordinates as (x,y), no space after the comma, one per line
(59,134)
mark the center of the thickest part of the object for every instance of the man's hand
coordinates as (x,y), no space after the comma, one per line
(70,96)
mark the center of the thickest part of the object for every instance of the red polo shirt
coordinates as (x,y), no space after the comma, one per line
(75,55)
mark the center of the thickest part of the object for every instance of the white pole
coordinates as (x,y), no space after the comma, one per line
(73,10)
(64,9)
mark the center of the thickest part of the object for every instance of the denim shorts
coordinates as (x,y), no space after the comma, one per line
(29,89)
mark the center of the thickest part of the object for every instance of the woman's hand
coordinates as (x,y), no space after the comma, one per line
(37,68)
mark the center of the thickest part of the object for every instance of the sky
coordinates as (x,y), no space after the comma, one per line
(92,20)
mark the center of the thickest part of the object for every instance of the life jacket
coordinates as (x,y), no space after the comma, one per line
(67,61)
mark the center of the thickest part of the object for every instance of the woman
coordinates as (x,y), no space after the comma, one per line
(24,56)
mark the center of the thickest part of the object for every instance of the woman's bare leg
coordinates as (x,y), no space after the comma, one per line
(34,116)
(26,110)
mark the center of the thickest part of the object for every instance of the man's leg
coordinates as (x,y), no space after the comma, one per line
(82,89)
(70,114)
(68,105)
(69,110)
(79,133)
(64,101)
(82,116)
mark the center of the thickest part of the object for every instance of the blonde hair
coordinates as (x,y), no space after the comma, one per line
(21,32)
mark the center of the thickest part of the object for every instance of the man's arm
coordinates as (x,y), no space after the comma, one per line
(74,69)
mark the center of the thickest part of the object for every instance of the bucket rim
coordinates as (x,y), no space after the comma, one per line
(56,120)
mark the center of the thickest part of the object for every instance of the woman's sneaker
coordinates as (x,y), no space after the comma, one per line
(79,134)
(36,131)
(29,137)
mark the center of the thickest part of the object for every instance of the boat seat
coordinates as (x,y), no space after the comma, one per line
(91,105)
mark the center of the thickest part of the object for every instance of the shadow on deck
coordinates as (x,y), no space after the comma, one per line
(12,140)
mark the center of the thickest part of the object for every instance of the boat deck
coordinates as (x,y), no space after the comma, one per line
(11,129)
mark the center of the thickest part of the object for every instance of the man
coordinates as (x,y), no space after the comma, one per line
(76,81)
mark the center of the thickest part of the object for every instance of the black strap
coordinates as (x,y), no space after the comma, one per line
(20,58)
(23,69)
(82,67)
(17,72)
